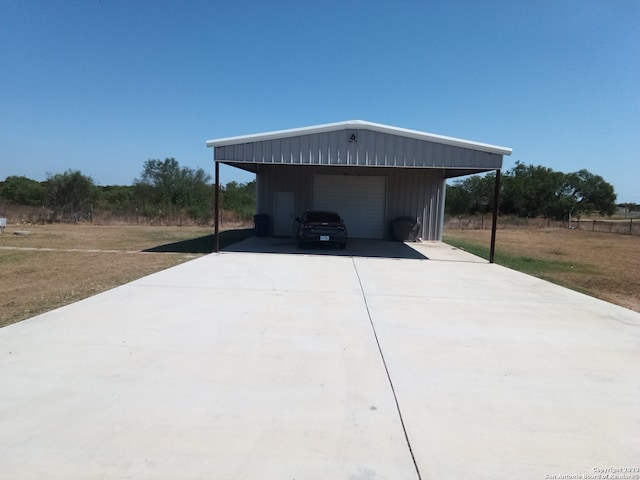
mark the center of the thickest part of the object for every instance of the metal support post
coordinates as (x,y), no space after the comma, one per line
(494,223)
(216,215)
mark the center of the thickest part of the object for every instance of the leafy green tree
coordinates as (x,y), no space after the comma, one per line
(240,198)
(473,195)
(458,200)
(158,184)
(23,191)
(70,195)
(165,185)
(196,196)
(584,192)
(118,199)
(530,191)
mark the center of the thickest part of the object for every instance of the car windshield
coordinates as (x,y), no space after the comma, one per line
(323,217)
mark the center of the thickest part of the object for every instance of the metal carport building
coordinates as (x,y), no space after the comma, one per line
(370,173)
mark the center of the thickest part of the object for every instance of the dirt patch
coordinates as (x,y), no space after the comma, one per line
(612,261)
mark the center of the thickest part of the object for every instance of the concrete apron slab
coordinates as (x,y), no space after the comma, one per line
(245,366)
(499,374)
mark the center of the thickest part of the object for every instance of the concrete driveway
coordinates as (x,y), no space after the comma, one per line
(428,363)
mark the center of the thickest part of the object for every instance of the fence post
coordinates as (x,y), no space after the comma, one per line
(631,225)
(593,228)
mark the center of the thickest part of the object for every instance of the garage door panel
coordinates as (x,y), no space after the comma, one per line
(360,200)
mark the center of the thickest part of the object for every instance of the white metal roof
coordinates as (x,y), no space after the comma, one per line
(361,125)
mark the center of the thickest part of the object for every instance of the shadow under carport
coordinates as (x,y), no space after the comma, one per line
(205,244)
(357,247)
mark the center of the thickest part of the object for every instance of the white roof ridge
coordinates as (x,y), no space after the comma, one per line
(360,125)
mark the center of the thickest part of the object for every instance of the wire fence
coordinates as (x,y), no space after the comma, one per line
(21,215)
(25,215)
(627,226)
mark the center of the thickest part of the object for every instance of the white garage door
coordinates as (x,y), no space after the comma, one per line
(360,201)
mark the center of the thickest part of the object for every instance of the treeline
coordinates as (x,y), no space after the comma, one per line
(534,191)
(165,191)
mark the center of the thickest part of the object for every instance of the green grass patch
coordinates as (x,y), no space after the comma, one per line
(540,267)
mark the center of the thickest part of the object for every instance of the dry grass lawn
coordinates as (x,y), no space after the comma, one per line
(35,281)
(602,265)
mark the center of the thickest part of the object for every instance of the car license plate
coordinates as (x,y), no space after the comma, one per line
(324,238)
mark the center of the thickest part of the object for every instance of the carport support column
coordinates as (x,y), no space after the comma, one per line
(216,215)
(494,222)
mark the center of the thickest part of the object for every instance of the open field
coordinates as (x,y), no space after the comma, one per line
(71,262)
(628,224)
(603,265)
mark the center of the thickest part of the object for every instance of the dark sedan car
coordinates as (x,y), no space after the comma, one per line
(322,227)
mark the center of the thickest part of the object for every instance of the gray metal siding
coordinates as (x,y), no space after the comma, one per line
(371,149)
(283,179)
(416,193)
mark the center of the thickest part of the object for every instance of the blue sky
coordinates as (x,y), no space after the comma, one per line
(103,85)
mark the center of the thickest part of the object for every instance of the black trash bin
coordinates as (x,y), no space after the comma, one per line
(405,229)
(261,225)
